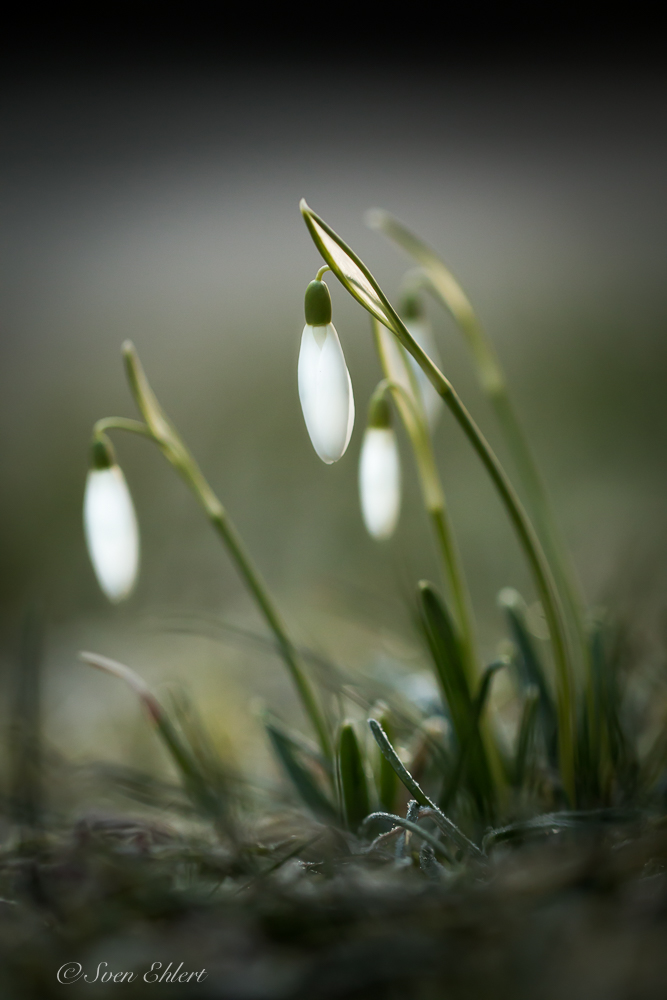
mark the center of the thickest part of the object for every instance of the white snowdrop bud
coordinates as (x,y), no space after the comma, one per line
(380,473)
(110,525)
(419,328)
(325,389)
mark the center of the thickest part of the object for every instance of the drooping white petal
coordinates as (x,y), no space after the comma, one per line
(350,413)
(380,481)
(325,391)
(420,329)
(112,534)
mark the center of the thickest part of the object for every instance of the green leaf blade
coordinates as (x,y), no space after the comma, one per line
(348,268)
(353,782)
(304,782)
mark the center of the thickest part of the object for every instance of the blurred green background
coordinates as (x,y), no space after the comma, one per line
(163,207)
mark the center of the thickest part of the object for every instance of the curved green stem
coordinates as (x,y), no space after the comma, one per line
(532,549)
(360,283)
(159,429)
(122,424)
(437,278)
(435,504)
(433,494)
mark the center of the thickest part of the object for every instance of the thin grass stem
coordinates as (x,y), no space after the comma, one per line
(158,428)
(407,825)
(443,821)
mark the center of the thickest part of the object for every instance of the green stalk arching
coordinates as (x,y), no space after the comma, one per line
(434,502)
(360,283)
(436,508)
(160,430)
(537,561)
(444,286)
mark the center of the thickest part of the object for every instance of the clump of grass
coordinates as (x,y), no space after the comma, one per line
(571,753)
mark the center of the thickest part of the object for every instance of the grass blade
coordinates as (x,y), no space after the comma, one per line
(526,736)
(404,775)
(387,779)
(447,658)
(353,783)
(531,669)
(304,782)
(203,796)
(478,706)
(559,821)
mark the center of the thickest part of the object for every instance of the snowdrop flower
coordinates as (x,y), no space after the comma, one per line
(418,326)
(325,389)
(380,473)
(110,525)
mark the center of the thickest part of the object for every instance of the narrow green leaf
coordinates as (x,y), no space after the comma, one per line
(607,694)
(202,795)
(302,779)
(443,284)
(443,821)
(453,780)
(349,269)
(353,782)
(526,735)
(531,669)
(484,689)
(441,278)
(394,760)
(556,822)
(388,779)
(299,743)
(448,660)
(146,399)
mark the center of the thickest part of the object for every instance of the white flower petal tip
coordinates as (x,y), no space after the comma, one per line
(325,391)
(111,530)
(380,482)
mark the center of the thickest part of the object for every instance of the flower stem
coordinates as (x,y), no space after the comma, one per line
(433,495)
(122,424)
(158,428)
(360,283)
(437,278)
(540,569)
(434,502)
